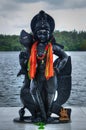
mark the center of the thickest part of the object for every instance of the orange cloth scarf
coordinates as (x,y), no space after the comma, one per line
(32,63)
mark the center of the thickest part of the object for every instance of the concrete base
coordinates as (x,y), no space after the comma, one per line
(7,114)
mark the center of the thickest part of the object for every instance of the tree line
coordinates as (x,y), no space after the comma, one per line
(71,40)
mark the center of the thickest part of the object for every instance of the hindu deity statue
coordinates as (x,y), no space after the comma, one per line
(44,77)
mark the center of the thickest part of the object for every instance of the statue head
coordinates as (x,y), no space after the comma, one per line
(42,26)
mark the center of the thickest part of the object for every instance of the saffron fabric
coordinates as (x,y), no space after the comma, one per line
(32,62)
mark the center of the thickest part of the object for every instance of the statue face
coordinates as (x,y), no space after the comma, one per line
(43,35)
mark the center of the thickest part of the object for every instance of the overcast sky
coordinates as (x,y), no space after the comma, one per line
(16,15)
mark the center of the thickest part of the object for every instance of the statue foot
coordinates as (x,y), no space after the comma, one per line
(65,115)
(36,117)
(50,119)
(21,113)
(36,120)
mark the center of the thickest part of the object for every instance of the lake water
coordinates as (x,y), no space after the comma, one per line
(10,84)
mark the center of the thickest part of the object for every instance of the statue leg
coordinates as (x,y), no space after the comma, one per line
(26,98)
(35,92)
(33,88)
(51,88)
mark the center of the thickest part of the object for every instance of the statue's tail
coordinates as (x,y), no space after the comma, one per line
(64,85)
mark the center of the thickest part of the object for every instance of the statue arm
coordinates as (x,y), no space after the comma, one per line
(23,59)
(61,55)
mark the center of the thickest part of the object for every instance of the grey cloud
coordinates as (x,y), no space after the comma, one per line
(21,26)
(59,4)
(27,1)
(15,5)
(30,1)
(73,4)
(55,2)
(9,6)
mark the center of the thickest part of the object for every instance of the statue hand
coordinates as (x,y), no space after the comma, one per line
(23,58)
(23,55)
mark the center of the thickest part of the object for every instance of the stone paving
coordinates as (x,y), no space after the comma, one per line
(7,114)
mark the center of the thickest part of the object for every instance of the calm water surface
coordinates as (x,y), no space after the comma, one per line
(10,84)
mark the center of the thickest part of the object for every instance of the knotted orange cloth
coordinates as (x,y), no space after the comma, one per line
(32,63)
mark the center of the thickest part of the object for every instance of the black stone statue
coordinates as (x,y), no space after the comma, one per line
(43,77)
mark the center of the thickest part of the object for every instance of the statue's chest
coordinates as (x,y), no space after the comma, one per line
(40,50)
(41,55)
